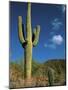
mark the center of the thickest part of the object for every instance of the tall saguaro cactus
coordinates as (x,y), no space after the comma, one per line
(28,41)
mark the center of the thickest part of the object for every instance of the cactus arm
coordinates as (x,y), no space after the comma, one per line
(28,23)
(36,35)
(20,30)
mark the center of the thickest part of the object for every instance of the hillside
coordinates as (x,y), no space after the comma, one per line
(39,73)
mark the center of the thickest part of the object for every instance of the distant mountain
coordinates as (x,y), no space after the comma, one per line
(57,65)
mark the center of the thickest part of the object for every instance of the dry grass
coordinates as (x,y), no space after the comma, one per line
(39,75)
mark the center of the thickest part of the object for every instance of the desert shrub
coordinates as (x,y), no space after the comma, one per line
(50,76)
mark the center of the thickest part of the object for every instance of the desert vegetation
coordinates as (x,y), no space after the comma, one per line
(49,73)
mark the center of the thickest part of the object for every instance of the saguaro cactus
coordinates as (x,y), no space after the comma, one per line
(28,41)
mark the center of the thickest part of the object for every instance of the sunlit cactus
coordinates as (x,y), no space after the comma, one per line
(28,40)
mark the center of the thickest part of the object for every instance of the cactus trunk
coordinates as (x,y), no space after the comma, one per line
(28,41)
(28,60)
(28,47)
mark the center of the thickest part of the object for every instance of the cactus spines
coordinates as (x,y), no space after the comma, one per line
(28,41)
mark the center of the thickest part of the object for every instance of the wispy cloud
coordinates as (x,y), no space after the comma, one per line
(55,41)
(52,33)
(51,45)
(63,8)
(56,24)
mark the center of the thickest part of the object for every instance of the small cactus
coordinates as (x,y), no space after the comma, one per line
(28,41)
(50,76)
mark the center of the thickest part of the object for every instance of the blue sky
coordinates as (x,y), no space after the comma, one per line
(51,18)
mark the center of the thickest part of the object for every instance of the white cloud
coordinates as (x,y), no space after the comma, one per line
(57,39)
(56,24)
